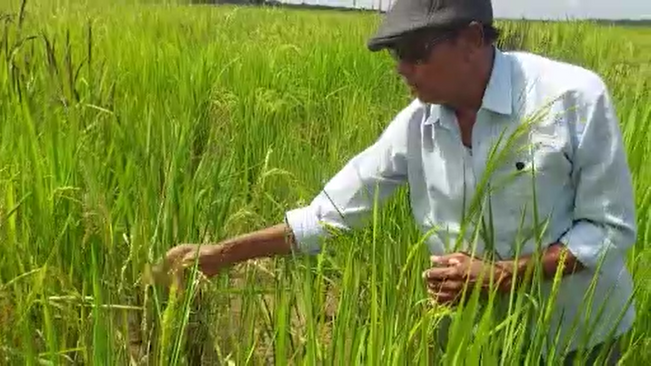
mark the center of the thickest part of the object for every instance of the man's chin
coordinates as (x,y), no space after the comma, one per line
(417,94)
(425,98)
(422,96)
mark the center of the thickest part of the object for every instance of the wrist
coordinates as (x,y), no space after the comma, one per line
(510,271)
(213,250)
(558,257)
(214,257)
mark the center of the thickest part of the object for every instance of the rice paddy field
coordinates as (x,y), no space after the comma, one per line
(128,128)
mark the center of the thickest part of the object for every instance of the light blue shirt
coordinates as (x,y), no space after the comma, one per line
(583,186)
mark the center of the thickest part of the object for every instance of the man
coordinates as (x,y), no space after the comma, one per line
(468,94)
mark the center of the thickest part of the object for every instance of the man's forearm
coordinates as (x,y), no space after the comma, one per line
(268,242)
(552,258)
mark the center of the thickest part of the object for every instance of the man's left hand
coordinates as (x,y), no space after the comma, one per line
(456,272)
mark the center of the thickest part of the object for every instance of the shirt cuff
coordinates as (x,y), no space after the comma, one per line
(588,243)
(307,231)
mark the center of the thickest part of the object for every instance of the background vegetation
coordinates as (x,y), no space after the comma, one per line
(128,128)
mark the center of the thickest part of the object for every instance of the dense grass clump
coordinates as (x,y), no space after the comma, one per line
(129,128)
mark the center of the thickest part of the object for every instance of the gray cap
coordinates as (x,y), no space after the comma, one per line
(406,16)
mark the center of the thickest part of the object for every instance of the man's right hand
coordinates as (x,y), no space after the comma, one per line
(184,256)
(268,242)
(173,265)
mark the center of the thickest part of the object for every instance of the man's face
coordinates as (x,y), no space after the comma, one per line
(435,64)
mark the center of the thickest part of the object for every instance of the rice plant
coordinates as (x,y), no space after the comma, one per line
(131,127)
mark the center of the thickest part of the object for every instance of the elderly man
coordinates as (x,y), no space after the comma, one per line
(471,98)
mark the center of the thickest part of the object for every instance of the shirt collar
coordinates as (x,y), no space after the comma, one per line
(497,97)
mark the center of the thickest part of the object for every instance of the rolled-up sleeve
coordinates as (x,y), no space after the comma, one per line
(347,199)
(604,207)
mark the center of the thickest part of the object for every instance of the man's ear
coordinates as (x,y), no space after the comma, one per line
(472,39)
(476,34)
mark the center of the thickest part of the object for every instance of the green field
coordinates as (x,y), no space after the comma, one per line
(127,129)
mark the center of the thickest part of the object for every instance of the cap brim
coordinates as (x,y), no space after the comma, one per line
(387,40)
(379,44)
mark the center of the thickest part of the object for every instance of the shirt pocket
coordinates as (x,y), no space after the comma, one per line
(525,189)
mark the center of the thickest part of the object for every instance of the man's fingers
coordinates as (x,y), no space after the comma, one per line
(446,286)
(441,274)
(189,259)
(448,259)
(439,260)
(169,269)
(443,298)
(179,251)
